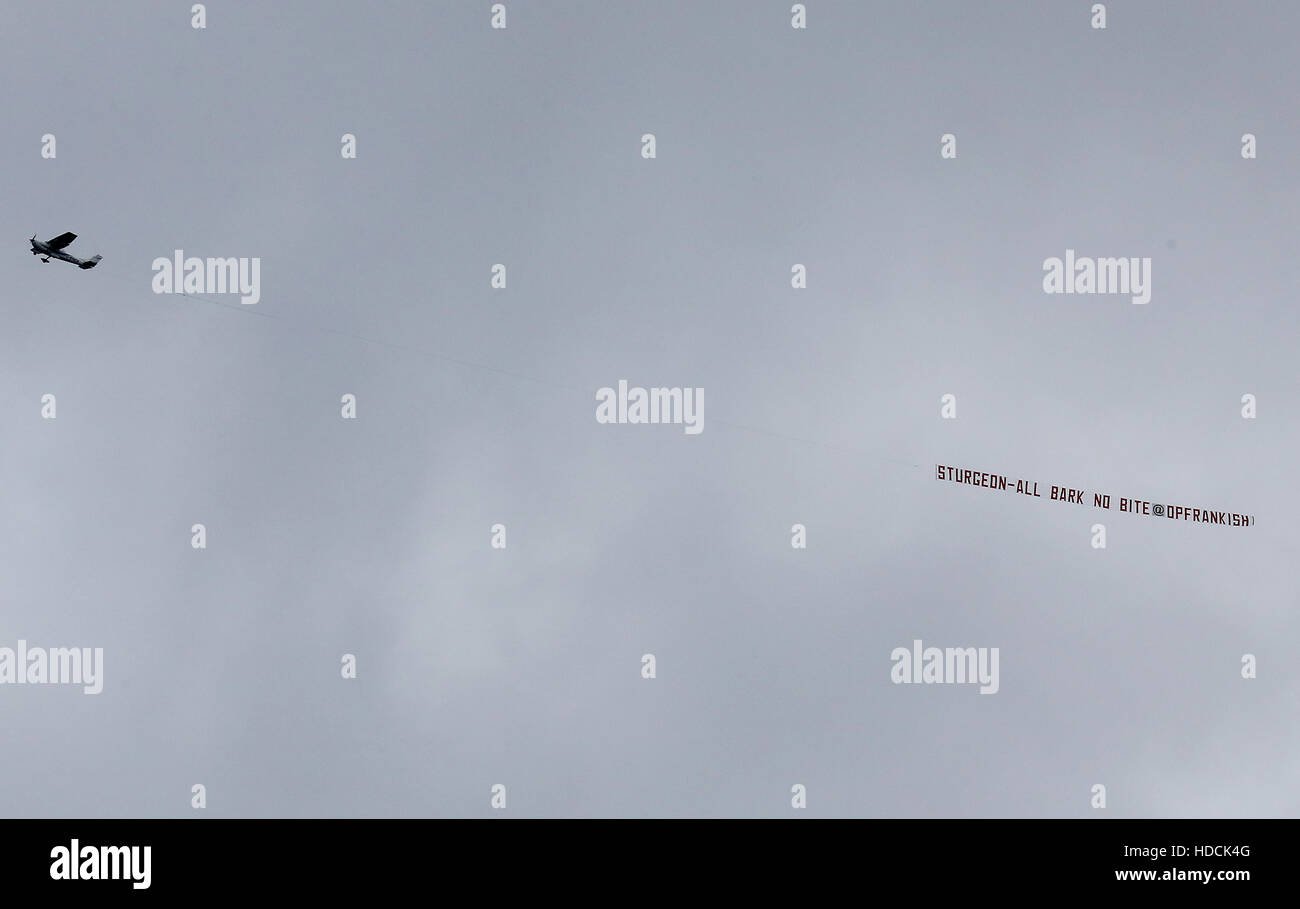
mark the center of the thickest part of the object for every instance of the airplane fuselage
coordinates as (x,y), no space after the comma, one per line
(40,249)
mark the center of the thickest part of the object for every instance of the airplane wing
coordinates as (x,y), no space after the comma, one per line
(60,241)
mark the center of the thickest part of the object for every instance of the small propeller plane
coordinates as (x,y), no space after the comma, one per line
(54,248)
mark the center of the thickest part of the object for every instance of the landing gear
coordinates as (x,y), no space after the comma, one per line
(45,260)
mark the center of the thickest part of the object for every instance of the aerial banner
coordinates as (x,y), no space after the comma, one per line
(1071,495)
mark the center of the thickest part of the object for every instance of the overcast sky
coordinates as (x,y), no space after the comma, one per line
(522,666)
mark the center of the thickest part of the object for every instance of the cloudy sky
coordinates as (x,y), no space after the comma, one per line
(522,666)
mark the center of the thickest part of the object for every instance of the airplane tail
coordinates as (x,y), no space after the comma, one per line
(91,263)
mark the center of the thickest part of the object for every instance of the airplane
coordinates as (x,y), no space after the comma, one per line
(54,248)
